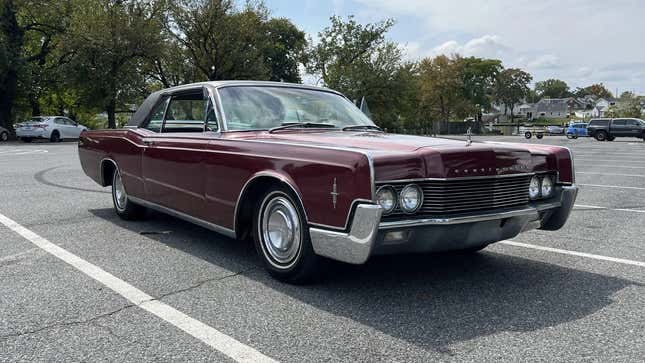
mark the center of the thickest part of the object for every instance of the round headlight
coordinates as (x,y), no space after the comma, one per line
(385,197)
(547,187)
(411,198)
(534,188)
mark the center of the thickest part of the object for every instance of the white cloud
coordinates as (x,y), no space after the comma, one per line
(549,37)
(547,61)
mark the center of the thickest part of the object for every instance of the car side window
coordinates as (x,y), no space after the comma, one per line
(156,117)
(632,123)
(59,121)
(186,113)
(618,122)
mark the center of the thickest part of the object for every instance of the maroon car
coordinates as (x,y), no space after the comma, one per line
(307,175)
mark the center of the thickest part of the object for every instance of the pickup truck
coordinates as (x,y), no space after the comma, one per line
(608,129)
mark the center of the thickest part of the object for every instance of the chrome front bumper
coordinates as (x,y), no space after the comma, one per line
(368,235)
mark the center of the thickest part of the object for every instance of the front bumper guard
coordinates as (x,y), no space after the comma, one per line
(359,244)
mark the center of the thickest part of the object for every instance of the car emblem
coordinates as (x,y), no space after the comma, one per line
(334,193)
(469,137)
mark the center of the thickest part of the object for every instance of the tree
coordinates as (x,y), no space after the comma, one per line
(28,33)
(440,91)
(358,61)
(477,79)
(111,41)
(223,42)
(598,89)
(552,88)
(628,105)
(511,87)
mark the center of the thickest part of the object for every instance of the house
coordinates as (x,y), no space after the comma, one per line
(602,106)
(558,108)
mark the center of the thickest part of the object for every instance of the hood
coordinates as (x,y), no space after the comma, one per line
(398,157)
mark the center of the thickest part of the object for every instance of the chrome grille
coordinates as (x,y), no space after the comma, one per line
(441,197)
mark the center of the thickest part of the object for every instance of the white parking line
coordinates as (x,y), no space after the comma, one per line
(607,160)
(575,253)
(207,334)
(612,209)
(610,186)
(610,174)
(609,166)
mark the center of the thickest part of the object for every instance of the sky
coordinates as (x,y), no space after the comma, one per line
(579,41)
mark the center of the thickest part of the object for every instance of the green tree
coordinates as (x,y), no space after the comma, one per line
(441,92)
(628,105)
(111,42)
(224,42)
(552,88)
(29,31)
(511,87)
(477,79)
(358,61)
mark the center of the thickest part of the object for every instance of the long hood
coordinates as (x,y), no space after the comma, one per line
(397,157)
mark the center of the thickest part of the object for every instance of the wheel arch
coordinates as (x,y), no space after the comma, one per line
(108,166)
(251,191)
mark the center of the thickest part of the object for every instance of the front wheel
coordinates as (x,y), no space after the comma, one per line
(611,138)
(539,136)
(282,238)
(601,136)
(528,134)
(122,205)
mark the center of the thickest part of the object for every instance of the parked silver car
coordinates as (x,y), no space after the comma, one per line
(53,128)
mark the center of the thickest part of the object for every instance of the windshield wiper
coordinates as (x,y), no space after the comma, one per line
(362,127)
(300,124)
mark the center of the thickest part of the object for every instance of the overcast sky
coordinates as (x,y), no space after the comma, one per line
(579,41)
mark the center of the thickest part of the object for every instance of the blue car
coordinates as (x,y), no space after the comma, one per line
(576,130)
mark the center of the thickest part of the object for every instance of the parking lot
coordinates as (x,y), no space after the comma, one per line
(577,294)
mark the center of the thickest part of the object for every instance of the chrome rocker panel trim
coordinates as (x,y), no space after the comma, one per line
(365,237)
(213,227)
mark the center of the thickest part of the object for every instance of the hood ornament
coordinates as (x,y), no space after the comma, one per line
(469,136)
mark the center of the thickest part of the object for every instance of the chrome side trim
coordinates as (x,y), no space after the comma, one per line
(213,227)
(353,247)
(531,212)
(452,179)
(346,225)
(573,168)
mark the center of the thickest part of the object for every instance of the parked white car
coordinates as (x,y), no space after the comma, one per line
(53,128)
(4,134)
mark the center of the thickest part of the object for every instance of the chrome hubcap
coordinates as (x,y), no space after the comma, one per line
(280,226)
(120,197)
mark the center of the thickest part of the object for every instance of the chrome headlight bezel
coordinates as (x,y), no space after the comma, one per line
(547,181)
(385,189)
(535,187)
(407,189)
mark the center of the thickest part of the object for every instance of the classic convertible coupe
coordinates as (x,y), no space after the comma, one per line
(307,175)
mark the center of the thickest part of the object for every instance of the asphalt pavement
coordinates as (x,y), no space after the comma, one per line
(576,294)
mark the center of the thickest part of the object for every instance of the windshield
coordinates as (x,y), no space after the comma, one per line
(263,108)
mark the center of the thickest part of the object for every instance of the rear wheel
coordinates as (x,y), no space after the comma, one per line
(539,136)
(601,136)
(55,136)
(281,237)
(122,205)
(4,136)
(528,134)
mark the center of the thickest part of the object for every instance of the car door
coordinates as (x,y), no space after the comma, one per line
(633,128)
(73,129)
(61,126)
(173,155)
(618,127)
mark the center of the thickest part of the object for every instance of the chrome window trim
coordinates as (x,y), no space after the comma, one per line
(200,222)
